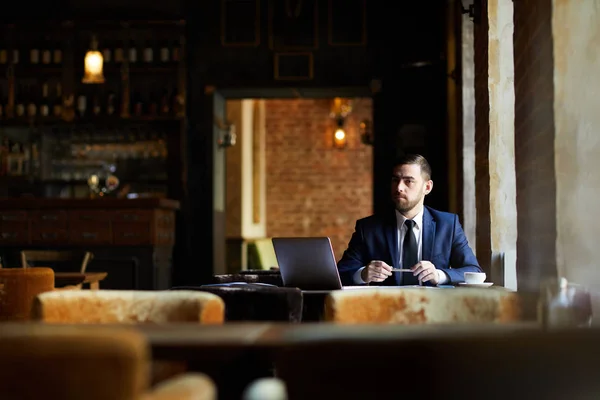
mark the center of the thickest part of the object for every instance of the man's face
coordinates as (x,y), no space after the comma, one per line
(409,187)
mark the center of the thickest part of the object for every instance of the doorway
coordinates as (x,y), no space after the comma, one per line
(291,172)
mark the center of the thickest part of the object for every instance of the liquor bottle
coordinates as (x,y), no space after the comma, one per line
(148,53)
(119,53)
(34,54)
(44,106)
(81,105)
(111,106)
(15,55)
(58,101)
(3,55)
(96,109)
(175,52)
(153,104)
(20,106)
(137,104)
(46,52)
(106,55)
(177,104)
(164,53)
(57,53)
(132,52)
(165,107)
(35,160)
(32,102)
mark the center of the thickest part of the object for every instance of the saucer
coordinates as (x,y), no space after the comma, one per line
(479,285)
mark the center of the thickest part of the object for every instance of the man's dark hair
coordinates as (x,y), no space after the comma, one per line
(414,159)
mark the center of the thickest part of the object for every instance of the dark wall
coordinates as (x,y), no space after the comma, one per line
(93,10)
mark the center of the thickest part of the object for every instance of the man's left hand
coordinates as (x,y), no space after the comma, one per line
(426,272)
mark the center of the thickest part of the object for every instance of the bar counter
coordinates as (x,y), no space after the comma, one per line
(131,239)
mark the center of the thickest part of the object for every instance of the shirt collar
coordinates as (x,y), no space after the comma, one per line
(418,219)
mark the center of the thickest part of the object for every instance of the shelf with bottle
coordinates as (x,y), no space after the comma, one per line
(104,105)
(30,103)
(19,158)
(25,60)
(136,154)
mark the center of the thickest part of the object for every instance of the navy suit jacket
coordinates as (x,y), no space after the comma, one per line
(376,238)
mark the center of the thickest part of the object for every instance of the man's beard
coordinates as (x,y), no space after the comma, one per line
(406,206)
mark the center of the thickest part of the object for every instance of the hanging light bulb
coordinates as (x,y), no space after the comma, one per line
(339,136)
(93,64)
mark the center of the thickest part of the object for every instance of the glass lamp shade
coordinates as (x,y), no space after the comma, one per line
(93,64)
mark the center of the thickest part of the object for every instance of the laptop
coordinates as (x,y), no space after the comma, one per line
(308,263)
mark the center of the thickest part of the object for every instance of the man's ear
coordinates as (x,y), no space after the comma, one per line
(428,186)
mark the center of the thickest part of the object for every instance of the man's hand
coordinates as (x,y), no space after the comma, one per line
(426,272)
(376,271)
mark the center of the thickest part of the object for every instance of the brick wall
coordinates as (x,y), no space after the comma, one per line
(534,142)
(312,188)
(482,140)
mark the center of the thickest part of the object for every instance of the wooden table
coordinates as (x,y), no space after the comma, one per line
(62,279)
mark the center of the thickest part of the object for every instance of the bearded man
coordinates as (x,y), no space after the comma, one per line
(429,246)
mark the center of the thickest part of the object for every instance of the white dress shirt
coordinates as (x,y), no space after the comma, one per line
(418,232)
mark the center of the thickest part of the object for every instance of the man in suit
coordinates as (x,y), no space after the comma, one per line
(429,243)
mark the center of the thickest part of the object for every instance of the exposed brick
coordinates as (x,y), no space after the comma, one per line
(314,189)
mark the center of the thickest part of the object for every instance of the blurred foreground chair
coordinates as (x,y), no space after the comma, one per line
(253,302)
(72,363)
(373,305)
(18,289)
(131,307)
(426,362)
(128,306)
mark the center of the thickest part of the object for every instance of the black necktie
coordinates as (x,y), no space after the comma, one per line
(410,255)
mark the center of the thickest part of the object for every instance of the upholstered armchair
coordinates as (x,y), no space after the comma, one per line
(39,361)
(421,306)
(128,306)
(18,289)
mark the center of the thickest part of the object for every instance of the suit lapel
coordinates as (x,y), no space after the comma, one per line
(391,236)
(428,235)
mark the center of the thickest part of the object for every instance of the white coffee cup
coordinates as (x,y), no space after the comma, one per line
(475,277)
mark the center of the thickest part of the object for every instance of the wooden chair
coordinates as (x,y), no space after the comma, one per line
(52,256)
